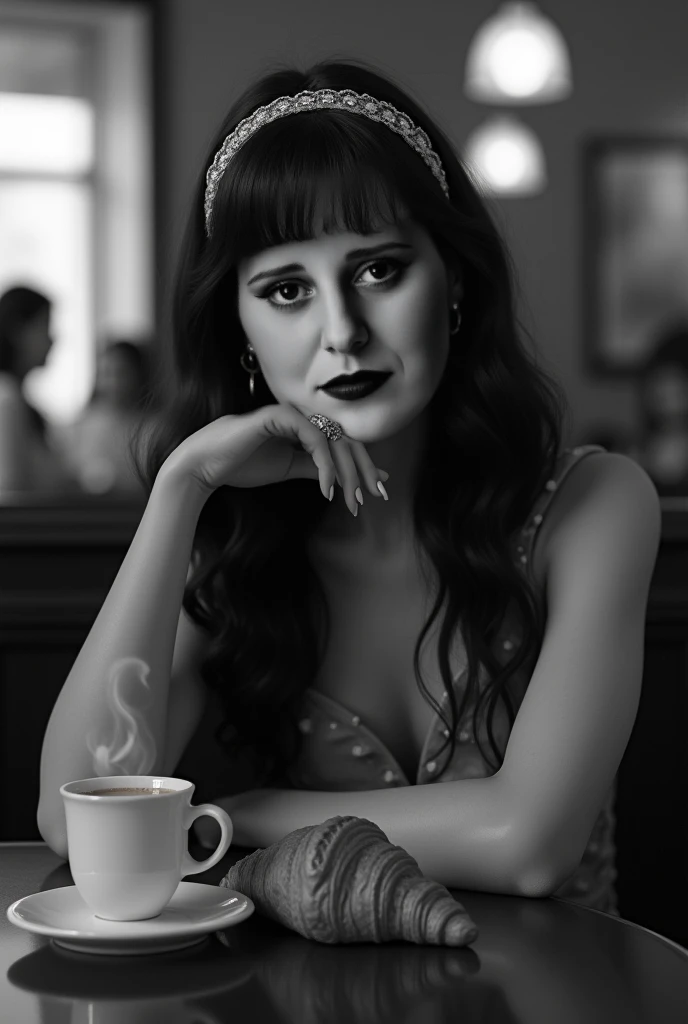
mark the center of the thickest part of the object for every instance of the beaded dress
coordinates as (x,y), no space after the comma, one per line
(339,752)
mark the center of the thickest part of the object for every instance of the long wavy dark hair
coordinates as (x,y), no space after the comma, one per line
(496,417)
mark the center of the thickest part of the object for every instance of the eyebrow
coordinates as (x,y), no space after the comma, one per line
(354,254)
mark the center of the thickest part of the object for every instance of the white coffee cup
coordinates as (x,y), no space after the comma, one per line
(128,853)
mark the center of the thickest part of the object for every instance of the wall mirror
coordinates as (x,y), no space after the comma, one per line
(635,288)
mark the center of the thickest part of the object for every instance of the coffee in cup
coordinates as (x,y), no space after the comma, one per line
(127,842)
(127,791)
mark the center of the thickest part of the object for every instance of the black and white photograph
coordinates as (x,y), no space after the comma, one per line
(343,512)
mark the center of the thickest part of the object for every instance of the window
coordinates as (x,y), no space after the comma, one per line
(76,181)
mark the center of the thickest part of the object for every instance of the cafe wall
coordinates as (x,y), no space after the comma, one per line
(629,70)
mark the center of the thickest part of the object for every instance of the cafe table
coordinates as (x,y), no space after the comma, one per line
(536,961)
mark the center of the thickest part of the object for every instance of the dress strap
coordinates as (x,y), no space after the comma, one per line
(566,460)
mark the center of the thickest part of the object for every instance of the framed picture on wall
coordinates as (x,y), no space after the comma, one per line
(635,248)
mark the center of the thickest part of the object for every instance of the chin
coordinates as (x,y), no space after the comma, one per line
(380,427)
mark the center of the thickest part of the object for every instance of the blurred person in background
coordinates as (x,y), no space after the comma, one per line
(661,444)
(29,454)
(96,445)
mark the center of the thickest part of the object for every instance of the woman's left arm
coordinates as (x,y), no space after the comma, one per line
(578,712)
(460,833)
(524,830)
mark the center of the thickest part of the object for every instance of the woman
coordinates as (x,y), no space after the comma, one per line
(29,459)
(361,645)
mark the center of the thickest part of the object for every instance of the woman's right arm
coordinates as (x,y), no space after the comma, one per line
(139,618)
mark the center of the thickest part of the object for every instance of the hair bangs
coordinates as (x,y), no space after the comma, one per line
(301,176)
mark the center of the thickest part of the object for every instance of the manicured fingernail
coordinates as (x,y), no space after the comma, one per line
(382,490)
(331,492)
(355,511)
(359,496)
(385,474)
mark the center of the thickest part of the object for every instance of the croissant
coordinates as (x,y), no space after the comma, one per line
(343,881)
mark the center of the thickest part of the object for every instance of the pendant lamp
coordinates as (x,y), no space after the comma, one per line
(507,157)
(518,57)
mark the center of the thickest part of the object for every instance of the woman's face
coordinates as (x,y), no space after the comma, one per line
(343,311)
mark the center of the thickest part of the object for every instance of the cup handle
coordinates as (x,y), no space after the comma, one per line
(193,867)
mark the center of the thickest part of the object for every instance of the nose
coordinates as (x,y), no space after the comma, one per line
(343,327)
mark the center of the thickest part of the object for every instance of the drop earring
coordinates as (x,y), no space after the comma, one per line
(252,369)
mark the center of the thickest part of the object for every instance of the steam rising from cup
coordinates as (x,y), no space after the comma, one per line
(130,750)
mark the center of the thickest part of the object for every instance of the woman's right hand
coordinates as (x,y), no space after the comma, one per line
(269,445)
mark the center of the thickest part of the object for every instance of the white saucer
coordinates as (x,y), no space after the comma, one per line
(195,910)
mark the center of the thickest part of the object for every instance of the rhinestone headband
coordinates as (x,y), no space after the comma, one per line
(323,99)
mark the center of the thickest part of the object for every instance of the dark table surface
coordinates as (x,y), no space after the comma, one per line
(536,961)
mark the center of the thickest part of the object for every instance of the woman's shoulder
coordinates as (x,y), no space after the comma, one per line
(565,463)
(570,457)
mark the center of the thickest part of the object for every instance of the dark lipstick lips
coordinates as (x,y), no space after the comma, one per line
(363,386)
(360,377)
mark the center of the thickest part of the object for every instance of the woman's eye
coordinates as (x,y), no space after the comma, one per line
(283,288)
